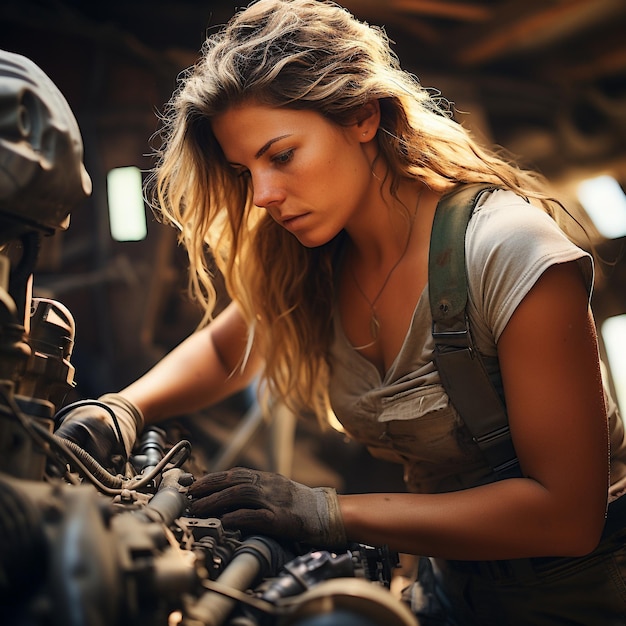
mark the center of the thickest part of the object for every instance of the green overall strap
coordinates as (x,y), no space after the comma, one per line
(462,371)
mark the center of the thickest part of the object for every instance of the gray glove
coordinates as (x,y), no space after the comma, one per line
(270,504)
(105,428)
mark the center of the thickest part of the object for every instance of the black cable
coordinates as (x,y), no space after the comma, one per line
(73,453)
(62,414)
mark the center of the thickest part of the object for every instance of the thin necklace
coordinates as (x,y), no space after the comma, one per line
(374,321)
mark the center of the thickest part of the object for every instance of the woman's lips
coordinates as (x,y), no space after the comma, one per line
(292,222)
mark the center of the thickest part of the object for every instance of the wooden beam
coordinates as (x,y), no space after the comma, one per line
(608,63)
(374,12)
(536,24)
(461,11)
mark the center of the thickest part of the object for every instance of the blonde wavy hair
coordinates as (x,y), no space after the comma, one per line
(297,54)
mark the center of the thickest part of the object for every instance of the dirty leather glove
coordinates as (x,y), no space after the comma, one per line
(270,504)
(90,425)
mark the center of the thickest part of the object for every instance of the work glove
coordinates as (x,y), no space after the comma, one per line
(264,503)
(105,428)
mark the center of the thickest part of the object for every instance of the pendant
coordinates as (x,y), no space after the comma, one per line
(374,326)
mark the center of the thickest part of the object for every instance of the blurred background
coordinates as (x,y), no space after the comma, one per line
(545,79)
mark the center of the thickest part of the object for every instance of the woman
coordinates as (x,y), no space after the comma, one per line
(311,165)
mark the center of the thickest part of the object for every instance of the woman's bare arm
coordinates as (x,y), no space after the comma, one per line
(549,361)
(202,370)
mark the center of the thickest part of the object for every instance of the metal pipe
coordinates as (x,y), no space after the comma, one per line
(248,565)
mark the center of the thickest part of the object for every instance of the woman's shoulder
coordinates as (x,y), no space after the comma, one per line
(509,244)
(506,226)
(502,211)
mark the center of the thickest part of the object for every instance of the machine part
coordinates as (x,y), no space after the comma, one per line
(49,375)
(56,560)
(304,572)
(14,349)
(339,617)
(375,563)
(84,587)
(42,176)
(22,543)
(256,558)
(348,602)
(21,453)
(150,450)
(70,557)
(212,545)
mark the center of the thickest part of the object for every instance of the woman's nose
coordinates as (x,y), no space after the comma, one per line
(266,190)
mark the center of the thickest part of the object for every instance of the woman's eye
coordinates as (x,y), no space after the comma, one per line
(283,157)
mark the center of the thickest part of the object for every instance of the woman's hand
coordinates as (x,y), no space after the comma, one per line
(105,428)
(270,504)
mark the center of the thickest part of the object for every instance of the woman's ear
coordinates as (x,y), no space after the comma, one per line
(368,121)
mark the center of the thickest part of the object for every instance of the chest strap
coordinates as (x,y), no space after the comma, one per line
(460,365)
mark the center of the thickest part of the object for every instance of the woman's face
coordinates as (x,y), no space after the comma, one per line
(311,175)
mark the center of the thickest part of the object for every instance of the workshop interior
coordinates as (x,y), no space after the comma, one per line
(93,293)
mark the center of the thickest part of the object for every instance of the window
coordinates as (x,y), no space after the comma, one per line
(604,201)
(127,212)
(614,336)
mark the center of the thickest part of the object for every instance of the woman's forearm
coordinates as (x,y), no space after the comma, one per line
(202,370)
(515,518)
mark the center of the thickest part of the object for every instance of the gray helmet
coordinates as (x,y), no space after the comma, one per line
(42,175)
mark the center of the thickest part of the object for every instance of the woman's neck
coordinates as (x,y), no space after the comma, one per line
(383,231)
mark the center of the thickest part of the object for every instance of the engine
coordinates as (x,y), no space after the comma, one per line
(80,546)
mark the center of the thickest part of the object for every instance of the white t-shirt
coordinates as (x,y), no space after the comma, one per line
(405,416)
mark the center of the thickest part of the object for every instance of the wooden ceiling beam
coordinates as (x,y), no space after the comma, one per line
(462,11)
(608,63)
(538,23)
(376,13)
